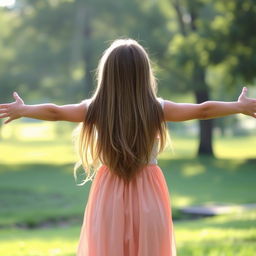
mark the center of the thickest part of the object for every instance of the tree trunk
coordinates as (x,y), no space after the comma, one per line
(200,90)
(206,127)
(202,94)
(177,7)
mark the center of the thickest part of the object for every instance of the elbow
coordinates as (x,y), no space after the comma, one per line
(204,111)
(54,113)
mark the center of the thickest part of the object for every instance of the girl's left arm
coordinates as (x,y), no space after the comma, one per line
(177,112)
(47,111)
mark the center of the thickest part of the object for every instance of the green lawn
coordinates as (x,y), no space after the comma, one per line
(37,188)
(49,142)
(51,191)
(233,235)
(32,193)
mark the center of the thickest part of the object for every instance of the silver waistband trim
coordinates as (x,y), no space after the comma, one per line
(153,161)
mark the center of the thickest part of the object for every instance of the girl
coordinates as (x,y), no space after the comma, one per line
(123,124)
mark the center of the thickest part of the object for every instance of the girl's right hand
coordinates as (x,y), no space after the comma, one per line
(12,110)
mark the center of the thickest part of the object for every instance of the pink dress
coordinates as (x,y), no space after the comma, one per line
(128,220)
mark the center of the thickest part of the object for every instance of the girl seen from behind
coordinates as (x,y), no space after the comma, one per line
(122,129)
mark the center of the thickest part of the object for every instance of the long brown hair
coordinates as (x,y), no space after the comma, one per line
(124,116)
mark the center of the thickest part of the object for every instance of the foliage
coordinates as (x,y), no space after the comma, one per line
(51,47)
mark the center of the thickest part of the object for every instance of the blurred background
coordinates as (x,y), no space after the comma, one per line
(201,50)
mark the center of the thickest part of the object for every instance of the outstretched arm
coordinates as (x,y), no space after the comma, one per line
(48,111)
(209,109)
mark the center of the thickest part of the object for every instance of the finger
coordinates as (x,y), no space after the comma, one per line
(244,91)
(3,110)
(8,120)
(17,97)
(4,115)
(4,105)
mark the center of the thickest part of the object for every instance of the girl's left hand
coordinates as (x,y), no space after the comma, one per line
(12,110)
(249,104)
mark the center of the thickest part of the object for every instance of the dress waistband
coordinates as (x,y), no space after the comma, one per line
(149,164)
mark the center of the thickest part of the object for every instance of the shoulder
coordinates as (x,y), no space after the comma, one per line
(79,110)
(161,100)
(86,102)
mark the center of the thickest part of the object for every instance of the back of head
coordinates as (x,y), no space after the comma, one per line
(124,116)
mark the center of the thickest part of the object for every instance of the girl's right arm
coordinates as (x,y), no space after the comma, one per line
(209,109)
(47,111)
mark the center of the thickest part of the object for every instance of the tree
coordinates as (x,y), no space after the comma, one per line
(55,45)
(207,34)
(189,47)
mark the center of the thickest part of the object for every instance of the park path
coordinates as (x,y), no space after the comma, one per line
(212,210)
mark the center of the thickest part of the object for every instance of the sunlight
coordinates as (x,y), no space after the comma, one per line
(29,131)
(192,170)
(7,3)
(181,201)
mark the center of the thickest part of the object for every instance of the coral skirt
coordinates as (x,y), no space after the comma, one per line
(128,219)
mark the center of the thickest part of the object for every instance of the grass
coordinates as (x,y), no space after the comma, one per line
(37,188)
(39,242)
(51,191)
(207,180)
(233,235)
(38,142)
(240,147)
